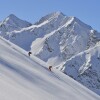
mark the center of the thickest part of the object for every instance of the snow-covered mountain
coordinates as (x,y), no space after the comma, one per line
(62,43)
(24,78)
(12,23)
(55,38)
(85,68)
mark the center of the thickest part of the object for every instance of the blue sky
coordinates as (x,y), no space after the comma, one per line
(32,10)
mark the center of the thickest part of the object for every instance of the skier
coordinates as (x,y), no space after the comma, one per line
(50,67)
(29,53)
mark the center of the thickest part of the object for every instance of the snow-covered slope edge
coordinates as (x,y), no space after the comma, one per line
(85,68)
(23,78)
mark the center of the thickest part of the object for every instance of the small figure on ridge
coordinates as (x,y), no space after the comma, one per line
(29,53)
(50,67)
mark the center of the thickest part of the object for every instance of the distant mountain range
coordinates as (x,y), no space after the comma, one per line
(64,42)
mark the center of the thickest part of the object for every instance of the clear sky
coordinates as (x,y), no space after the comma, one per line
(32,10)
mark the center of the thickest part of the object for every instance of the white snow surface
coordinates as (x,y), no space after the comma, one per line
(55,38)
(85,68)
(27,78)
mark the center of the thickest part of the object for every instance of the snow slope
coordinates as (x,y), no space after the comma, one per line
(85,68)
(25,78)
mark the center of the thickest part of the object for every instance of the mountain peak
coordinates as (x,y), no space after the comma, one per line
(11,16)
(12,23)
(57,13)
(51,16)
